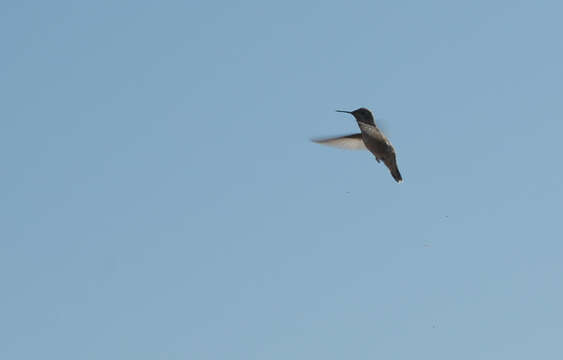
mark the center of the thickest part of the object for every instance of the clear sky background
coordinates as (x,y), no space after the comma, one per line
(161,198)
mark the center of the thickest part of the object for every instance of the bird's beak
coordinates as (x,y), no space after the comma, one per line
(347,112)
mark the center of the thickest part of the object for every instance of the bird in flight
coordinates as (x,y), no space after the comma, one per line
(370,138)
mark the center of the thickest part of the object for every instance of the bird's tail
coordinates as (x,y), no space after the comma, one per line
(391,163)
(395,173)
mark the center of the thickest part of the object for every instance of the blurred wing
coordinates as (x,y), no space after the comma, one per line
(382,125)
(349,142)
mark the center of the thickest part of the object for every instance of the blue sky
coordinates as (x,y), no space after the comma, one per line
(162,198)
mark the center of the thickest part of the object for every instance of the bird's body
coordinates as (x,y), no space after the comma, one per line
(370,138)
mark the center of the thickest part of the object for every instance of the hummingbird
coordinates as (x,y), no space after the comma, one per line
(370,138)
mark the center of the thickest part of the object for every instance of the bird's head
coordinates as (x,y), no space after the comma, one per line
(362,115)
